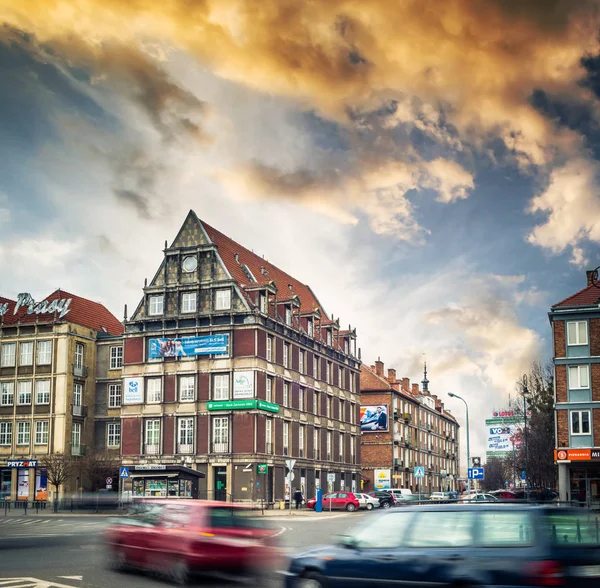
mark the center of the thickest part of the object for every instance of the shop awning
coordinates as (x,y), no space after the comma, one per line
(157,474)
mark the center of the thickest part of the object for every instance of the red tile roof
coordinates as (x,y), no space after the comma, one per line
(589,296)
(82,312)
(371,382)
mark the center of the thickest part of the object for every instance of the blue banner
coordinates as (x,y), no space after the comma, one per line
(189,346)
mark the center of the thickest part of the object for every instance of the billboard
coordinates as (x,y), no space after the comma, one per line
(383,479)
(500,438)
(243,384)
(188,346)
(374,418)
(133,391)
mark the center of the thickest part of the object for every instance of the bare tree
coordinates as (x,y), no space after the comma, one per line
(494,474)
(59,468)
(99,465)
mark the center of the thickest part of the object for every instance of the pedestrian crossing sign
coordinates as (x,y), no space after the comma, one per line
(124,473)
(419,472)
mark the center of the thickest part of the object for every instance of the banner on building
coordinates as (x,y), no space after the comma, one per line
(133,391)
(502,438)
(374,418)
(188,346)
(243,384)
(383,479)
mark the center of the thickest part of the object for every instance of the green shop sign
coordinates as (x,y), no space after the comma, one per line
(262,468)
(242,405)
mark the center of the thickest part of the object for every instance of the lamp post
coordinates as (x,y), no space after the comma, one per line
(452,395)
(525,392)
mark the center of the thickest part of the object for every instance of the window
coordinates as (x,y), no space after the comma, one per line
(153,433)
(579,377)
(220,434)
(286,437)
(288,315)
(315,402)
(346,346)
(442,529)
(286,394)
(116,357)
(223,300)
(7,395)
(328,337)
(385,533)
(76,435)
(352,409)
(114,435)
(301,440)
(301,362)
(577,333)
(9,351)
(352,441)
(341,414)
(269,348)
(316,443)
(78,355)
(5,433)
(77,394)
(23,432)
(328,444)
(269,391)
(186,388)
(351,382)
(580,422)
(41,432)
(44,352)
(263,304)
(188,302)
(26,353)
(328,374)
(501,529)
(269,435)
(341,447)
(154,390)
(286,355)
(114,395)
(309,328)
(24,389)
(190,264)
(221,387)
(341,377)
(328,404)
(301,399)
(42,391)
(156,305)
(185,435)
(315,367)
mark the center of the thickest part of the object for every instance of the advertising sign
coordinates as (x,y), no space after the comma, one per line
(374,418)
(188,346)
(243,384)
(133,391)
(16,463)
(383,479)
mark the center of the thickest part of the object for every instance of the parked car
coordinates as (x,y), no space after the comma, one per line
(336,501)
(367,502)
(440,496)
(386,498)
(181,537)
(477,498)
(504,494)
(400,494)
(451,545)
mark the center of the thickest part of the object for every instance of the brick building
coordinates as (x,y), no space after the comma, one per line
(47,386)
(417,431)
(229,362)
(576,335)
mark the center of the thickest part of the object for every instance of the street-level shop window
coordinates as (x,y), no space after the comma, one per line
(156,305)
(223,299)
(26,353)
(79,355)
(286,394)
(577,333)
(24,392)
(76,435)
(77,393)
(44,352)
(41,484)
(579,377)
(114,395)
(154,390)
(23,484)
(7,393)
(186,388)
(42,391)
(188,302)
(114,435)
(116,357)
(580,422)
(5,433)
(41,432)
(8,357)
(23,432)
(269,391)
(5,484)
(221,387)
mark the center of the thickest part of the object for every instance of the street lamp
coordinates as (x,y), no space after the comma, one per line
(525,392)
(452,395)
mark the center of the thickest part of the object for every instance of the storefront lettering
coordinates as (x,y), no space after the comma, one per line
(32,463)
(59,306)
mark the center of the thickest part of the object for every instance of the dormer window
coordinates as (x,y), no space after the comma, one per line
(309,328)
(263,303)
(156,305)
(288,315)
(328,337)
(346,346)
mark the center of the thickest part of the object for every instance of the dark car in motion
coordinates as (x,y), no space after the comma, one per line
(386,499)
(454,545)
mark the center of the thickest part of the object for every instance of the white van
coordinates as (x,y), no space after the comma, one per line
(400,494)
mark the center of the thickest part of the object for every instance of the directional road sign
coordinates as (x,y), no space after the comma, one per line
(476,473)
(523,475)
(419,472)
(124,473)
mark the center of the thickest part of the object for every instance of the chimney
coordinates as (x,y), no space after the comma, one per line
(592,275)
(415,389)
(379,367)
(406,384)
(391,375)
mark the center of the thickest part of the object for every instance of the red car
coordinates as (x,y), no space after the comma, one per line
(337,501)
(181,537)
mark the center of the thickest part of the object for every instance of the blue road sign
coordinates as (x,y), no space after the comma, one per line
(523,475)
(124,473)
(476,473)
(419,472)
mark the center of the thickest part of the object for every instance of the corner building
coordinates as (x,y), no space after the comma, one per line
(230,363)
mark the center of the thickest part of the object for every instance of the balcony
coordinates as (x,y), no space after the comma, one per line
(80,371)
(78,450)
(220,447)
(152,449)
(78,411)
(185,448)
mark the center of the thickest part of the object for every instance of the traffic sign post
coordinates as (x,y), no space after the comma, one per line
(476,473)
(330,482)
(290,466)
(419,473)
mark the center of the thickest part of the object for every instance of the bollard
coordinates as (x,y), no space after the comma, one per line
(26,503)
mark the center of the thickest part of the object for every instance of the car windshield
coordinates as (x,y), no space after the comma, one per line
(573,527)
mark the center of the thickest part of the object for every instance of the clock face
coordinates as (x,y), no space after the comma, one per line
(190,264)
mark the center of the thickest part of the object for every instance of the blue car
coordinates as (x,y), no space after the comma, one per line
(451,545)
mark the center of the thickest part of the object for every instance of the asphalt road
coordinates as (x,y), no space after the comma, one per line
(67,552)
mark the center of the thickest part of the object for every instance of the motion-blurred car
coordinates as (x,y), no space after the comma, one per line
(476,498)
(504,494)
(367,502)
(450,545)
(336,501)
(179,538)
(386,498)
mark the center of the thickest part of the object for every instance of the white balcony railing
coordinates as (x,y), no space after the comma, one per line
(78,450)
(152,449)
(220,447)
(185,448)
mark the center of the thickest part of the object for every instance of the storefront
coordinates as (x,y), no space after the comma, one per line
(579,475)
(162,481)
(23,481)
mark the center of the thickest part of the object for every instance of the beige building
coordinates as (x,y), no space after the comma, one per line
(47,386)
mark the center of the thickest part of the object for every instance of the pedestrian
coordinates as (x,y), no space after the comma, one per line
(298,498)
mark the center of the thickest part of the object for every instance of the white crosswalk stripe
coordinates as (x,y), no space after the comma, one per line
(30,583)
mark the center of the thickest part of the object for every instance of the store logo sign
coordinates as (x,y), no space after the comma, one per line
(59,306)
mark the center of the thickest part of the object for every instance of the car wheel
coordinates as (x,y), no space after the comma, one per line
(179,572)
(369,506)
(310,580)
(350,507)
(118,559)
(385,505)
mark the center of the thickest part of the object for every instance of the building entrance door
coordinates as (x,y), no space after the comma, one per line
(220,481)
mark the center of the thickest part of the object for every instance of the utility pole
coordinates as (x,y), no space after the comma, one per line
(525,392)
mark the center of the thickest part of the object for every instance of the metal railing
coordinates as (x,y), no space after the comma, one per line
(78,450)
(185,448)
(80,371)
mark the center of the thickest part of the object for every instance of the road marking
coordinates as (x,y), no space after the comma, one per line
(31,583)
(71,577)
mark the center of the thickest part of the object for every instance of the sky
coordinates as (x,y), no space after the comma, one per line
(431,170)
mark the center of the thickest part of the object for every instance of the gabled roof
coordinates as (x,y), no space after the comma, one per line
(82,311)
(371,382)
(589,296)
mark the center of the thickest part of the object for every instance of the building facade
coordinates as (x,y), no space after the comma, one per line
(416,431)
(230,364)
(47,386)
(576,335)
